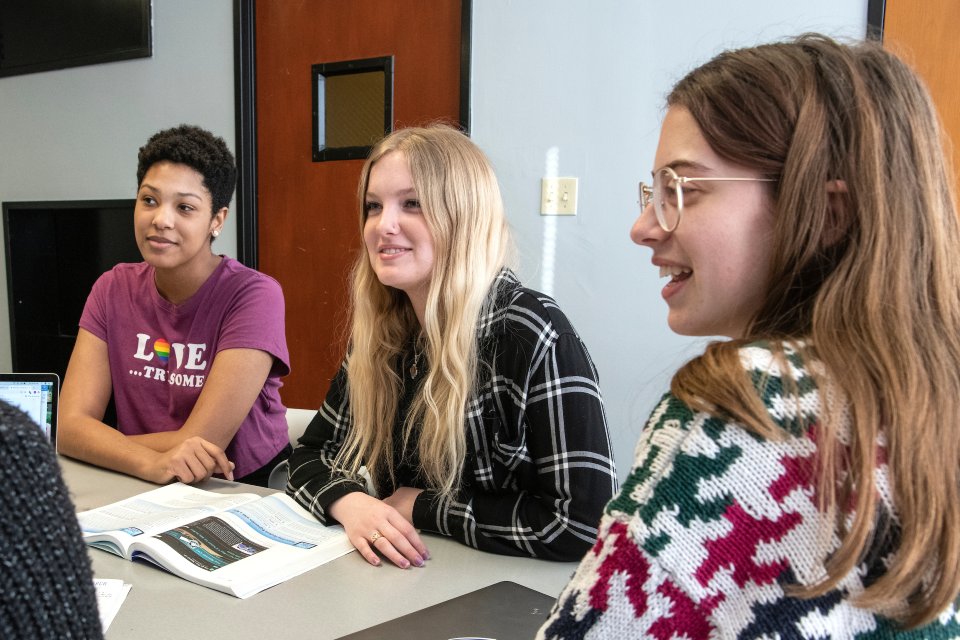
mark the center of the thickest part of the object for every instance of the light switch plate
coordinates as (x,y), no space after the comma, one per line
(558,197)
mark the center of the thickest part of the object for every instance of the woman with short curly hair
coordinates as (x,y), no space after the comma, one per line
(190,343)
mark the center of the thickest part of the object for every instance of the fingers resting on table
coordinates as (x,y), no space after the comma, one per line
(195,460)
(375,528)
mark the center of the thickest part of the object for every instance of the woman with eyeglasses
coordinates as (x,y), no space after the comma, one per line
(801,479)
(469,399)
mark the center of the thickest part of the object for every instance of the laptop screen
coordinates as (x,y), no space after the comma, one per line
(36,395)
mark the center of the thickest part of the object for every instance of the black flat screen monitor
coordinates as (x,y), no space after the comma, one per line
(55,251)
(43,35)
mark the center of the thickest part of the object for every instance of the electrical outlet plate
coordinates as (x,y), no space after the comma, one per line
(558,197)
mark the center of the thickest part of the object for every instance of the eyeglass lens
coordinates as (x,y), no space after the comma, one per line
(667,198)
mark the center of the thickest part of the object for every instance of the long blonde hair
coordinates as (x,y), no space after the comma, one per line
(461,203)
(869,276)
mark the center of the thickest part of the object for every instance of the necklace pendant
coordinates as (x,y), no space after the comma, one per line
(413,368)
(416,360)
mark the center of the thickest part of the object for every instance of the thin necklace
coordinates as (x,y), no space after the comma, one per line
(416,359)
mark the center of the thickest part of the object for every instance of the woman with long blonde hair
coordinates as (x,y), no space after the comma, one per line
(469,400)
(803,478)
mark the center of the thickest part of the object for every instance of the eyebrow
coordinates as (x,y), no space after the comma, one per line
(180,194)
(682,164)
(404,192)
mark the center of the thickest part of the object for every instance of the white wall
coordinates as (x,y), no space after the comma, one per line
(576,88)
(73,134)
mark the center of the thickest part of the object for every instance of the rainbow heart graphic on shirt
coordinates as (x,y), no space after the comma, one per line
(162,348)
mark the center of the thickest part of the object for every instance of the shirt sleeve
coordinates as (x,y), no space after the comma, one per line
(94,316)
(312,482)
(256,321)
(552,434)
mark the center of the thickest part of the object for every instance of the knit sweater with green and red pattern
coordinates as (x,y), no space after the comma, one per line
(712,523)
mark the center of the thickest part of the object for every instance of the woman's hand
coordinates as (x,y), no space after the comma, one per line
(191,453)
(193,460)
(402,500)
(374,526)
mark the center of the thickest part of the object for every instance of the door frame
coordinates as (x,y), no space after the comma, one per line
(875,12)
(245,90)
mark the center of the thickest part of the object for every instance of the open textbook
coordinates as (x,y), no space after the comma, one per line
(238,543)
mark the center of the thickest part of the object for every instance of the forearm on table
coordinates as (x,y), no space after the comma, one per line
(161,440)
(93,441)
(508,524)
(313,484)
(236,378)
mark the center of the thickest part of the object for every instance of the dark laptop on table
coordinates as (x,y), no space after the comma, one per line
(502,611)
(37,395)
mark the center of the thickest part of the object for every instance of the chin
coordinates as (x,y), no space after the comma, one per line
(681,328)
(692,330)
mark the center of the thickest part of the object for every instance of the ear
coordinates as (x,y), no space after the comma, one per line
(839,223)
(216,224)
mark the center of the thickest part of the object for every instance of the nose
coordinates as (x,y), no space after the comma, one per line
(163,217)
(646,230)
(388,222)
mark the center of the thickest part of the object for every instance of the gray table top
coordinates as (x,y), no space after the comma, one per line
(337,598)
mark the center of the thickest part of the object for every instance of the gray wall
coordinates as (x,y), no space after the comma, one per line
(73,134)
(563,87)
(575,88)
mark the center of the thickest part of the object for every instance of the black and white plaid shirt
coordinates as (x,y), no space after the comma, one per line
(539,467)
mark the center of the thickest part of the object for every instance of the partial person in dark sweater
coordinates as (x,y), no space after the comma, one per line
(470,400)
(46,586)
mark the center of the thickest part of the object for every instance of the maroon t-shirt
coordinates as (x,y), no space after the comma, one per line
(160,353)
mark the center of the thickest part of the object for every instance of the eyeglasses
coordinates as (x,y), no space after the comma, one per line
(667,195)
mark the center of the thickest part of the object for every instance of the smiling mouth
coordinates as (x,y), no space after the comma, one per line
(676,274)
(393,251)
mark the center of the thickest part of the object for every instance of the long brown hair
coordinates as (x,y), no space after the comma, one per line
(866,274)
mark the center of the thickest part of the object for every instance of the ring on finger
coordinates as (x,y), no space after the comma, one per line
(376,535)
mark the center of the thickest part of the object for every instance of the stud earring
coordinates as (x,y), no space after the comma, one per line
(216,232)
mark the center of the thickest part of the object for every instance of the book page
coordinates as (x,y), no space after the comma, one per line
(208,544)
(154,511)
(248,548)
(278,517)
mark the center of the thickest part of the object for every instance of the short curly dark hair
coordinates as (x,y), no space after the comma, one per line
(198,149)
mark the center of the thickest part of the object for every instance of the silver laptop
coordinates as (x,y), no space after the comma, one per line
(37,395)
(502,611)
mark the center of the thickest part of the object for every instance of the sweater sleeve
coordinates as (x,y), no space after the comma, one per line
(621,584)
(552,439)
(46,581)
(312,481)
(711,524)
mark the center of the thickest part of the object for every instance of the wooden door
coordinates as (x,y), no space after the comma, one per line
(926,35)
(307,214)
